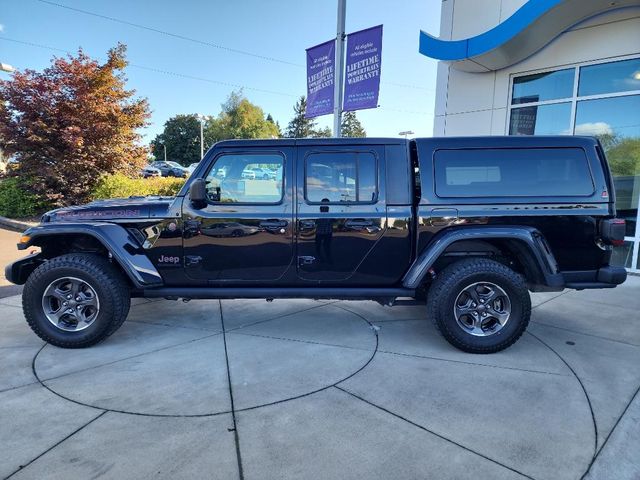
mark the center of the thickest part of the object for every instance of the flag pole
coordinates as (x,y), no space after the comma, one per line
(338,82)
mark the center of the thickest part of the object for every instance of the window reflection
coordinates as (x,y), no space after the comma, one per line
(623,76)
(543,86)
(554,119)
(616,123)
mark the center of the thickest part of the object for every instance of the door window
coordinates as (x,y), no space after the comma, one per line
(246,178)
(341,177)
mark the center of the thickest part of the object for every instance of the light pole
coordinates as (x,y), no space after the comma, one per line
(338,78)
(165,151)
(202,118)
(406,133)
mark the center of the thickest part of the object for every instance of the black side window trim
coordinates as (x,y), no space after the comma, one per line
(540,147)
(250,152)
(376,167)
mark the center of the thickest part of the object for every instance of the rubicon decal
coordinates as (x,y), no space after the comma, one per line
(88,214)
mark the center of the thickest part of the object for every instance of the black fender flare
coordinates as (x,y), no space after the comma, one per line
(123,247)
(536,251)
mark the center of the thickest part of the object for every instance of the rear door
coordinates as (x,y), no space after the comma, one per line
(340,210)
(244,234)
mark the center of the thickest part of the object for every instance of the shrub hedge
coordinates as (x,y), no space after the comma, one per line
(16,201)
(120,186)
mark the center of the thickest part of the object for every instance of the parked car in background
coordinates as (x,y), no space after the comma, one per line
(171,169)
(150,171)
(257,173)
(192,167)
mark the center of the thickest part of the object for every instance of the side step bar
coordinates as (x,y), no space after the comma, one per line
(287,292)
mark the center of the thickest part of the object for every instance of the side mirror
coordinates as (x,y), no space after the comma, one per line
(198,192)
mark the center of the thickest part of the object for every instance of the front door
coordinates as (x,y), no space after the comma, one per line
(341,214)
(245,231)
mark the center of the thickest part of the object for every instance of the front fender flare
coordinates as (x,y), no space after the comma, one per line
(529,237)
(117,240)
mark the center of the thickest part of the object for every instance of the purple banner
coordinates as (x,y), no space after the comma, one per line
(320,76)
(362,74)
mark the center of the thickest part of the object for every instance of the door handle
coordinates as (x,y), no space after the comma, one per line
(358,223)
(306,225)
(273,224)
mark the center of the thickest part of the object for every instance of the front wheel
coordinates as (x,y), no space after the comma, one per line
(75,300)
(479,305)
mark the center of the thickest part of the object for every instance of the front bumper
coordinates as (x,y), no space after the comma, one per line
(18,271)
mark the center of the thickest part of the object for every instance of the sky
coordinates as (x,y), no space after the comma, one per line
(181,77)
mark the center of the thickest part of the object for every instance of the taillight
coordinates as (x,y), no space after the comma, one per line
(613,230)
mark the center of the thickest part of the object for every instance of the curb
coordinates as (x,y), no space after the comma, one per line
(14,224)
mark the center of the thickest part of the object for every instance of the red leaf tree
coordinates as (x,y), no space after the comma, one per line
(71,123)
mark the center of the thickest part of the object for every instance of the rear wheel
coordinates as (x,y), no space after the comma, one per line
(75,300)
(479,305)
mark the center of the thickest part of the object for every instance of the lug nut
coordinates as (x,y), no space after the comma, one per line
(482,300)
(70,310)
(474,305)
(78,299)
(79,307)
(69,297)
(64,304)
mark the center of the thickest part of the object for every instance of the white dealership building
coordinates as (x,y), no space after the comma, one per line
(517,67)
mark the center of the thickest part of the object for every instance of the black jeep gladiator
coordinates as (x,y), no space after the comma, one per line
(469,224)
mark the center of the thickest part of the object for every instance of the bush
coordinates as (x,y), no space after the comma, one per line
(118,185)
(16,201)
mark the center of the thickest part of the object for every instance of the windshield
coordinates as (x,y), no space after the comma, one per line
(174,164)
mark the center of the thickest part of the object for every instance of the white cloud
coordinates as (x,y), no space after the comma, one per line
(594,128)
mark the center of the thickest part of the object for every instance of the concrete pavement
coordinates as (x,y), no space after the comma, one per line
(318,389)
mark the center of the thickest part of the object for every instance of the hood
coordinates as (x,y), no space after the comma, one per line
(132,208)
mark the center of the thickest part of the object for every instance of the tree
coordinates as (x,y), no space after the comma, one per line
(71,123)
(299,126)
(321,132)
(276,123)
(351,126)
(181,136)
(240,118)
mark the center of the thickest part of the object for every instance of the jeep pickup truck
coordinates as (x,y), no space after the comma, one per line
(470,225)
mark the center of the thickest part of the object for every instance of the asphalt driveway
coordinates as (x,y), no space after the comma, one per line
(310,389)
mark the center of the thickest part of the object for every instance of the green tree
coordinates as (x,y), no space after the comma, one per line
(624,157)
(71,123)
(181,137)
(299,126)
(276,123)
(240,118)
(321,132)
(351,126)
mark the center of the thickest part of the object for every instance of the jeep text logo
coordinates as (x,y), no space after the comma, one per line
(169,260)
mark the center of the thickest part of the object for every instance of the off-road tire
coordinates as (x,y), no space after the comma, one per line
(457,276)
(108,283)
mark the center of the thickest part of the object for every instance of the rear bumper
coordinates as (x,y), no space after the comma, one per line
(605,277)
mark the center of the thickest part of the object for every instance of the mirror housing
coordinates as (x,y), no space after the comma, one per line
(198,192)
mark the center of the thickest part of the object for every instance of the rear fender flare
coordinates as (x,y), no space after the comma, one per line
(531,243)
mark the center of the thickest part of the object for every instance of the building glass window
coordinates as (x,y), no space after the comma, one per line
(552,119)
(543,86)
(600,99)
(623,76)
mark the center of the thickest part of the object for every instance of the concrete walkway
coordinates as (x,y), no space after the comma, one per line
(308,389)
